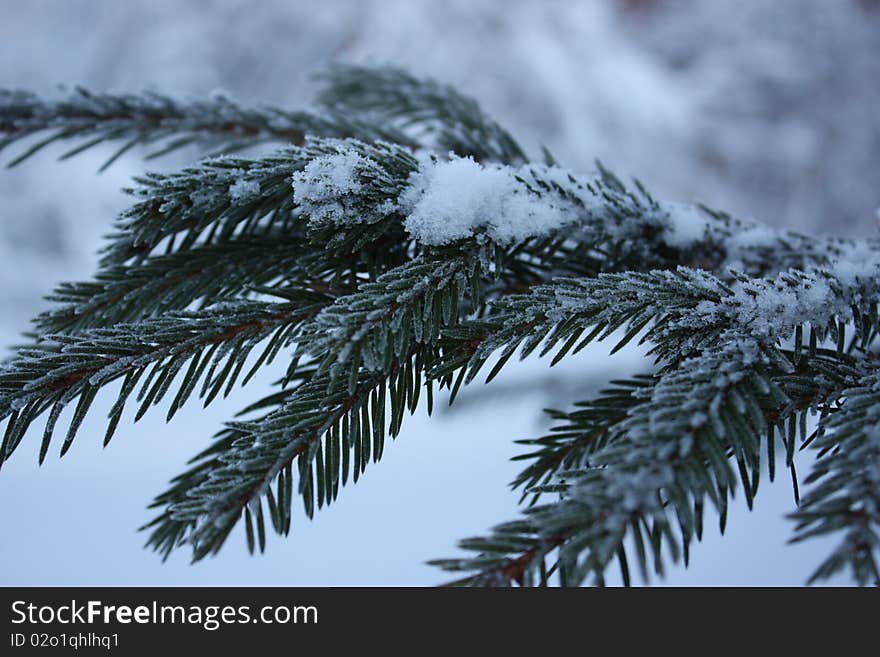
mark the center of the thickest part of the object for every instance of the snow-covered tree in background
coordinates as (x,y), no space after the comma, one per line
(398,242)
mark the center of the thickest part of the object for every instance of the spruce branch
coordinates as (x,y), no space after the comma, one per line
(168,531)
(679,312)
(844,497)
(216,342)
(423,107)
(357,102)
(694,438)
(159,284)
(407,242)
(228,196)
(576,435)
(164,124)
(334,422)
(325,432)
(718,404)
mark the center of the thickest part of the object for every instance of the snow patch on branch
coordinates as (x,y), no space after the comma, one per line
(443,199)
(321,188)
(453,199)
(857,269)
(345,187)
(684,224)
(244,189)
(774,307)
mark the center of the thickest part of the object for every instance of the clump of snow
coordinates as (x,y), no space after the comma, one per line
(685,224)
(202,197)
(637,490)
(741,244)
(329,176)
(243,189)
(452,199)
(773,308)
(328,186)
(857,267)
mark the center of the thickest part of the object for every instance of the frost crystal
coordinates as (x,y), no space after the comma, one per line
(328,176)
(201,197)
(244,189)
(774,308)
(330,188)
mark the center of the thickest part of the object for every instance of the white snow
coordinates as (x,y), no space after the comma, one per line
(685,224)
(202,197)
(329,175)
(858,266)
(319,189)
(773,309)
(741,244)
(243,189)
(452,199)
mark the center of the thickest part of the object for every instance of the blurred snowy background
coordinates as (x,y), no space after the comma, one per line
(765,108)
